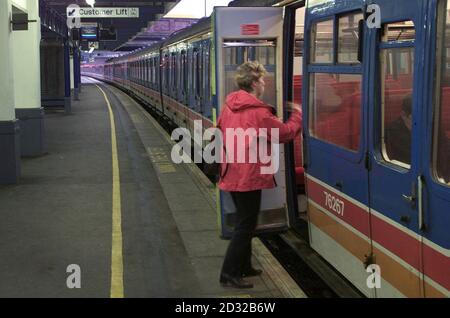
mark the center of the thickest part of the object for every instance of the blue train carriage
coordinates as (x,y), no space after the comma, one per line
(243,34)
(378,156)
(185,81)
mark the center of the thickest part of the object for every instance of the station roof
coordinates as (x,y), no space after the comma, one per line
(127,29)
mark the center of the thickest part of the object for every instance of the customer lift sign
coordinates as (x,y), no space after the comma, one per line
(116,12)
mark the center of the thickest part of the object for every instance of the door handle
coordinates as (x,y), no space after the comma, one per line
(420,201)
(409,198)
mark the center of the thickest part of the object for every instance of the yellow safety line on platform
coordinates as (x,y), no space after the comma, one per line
(116,254)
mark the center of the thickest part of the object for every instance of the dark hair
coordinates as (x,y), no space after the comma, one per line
(407,104)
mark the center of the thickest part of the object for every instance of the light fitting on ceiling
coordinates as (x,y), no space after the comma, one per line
(90,2)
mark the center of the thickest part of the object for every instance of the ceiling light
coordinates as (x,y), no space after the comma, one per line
(90,2)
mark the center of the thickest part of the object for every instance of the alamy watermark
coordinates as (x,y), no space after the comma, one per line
(374,279)
(241,146)
(374,19)
(73,281)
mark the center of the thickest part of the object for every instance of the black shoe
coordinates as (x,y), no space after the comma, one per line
(236,282)
(251,272)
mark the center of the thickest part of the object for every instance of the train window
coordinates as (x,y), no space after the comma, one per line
(397,74)
(348,43)
(322,42)
(174,76)
(166,71)
(402,31)
(441,140)
(152,71)
(199,71)
(335,99)
(194,72)
(237,52)
(208,74)
(147,71)
(183,74)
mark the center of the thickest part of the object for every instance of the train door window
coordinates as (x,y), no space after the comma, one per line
(230,69)
(322,42)
(144,71)
(335,90)
(131,71)
(397,73)
(266,56)
(179,77)
(158,71)
(174,72)
(336,99)
(441,139)
(194,72)
(155,70)
(151,71)
(147,72)
(152,66)
(208,73)
(136,71)
(183,73)
(198,70)
(166,71)
(237,52)
(348,43)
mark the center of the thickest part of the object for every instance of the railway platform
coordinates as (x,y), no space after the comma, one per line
(105,213)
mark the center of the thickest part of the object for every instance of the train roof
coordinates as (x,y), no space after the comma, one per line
(202,26)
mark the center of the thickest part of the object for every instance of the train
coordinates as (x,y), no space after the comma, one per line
(369,176)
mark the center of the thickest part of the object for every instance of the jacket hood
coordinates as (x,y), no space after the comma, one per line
(241,100)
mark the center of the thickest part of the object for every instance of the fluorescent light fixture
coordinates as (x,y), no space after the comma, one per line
(90,2)
(195,9)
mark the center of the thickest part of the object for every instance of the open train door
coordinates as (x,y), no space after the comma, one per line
(242,34)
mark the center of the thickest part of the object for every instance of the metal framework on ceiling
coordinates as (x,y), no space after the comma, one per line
(150,10)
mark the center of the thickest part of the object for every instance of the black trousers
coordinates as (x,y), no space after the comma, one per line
(239,252)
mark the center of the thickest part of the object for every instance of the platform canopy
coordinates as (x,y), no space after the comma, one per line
(127,28)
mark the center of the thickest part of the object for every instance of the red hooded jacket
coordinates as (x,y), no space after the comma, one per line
(244,110)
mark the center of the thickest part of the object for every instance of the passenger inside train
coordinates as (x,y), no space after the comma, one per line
(398,134)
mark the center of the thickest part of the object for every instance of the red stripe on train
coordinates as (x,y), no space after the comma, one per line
(436,265)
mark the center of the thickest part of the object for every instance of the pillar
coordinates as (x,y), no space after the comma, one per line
(76,71)
(27,84)
(9,126)
(67,78)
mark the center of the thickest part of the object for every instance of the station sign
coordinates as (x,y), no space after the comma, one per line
(314,3)
(115,12)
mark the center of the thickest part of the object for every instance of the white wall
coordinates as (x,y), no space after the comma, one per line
(6,71)
(27,63)
(22,4)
